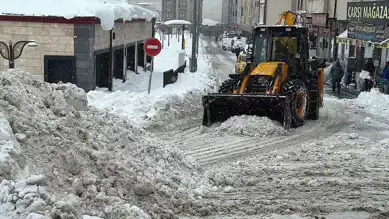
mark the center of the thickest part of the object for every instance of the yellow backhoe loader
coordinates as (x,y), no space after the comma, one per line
(276,82)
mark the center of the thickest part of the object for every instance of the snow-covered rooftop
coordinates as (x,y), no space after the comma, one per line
(177,22)
(106,10)
(209,22)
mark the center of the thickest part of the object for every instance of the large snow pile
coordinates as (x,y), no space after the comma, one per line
(375,102)
(253,126)
(346,172)
(106,10)
(75,161)
(164,108)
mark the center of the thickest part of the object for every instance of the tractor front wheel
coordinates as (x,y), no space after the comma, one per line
(314,100)
(298,93)
(228,86)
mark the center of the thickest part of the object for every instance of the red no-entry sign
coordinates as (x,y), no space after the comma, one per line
(152,47)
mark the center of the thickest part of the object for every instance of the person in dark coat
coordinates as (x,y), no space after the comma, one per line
(370,68)
(336,75)
(385,78)
(237,52)
(314,63)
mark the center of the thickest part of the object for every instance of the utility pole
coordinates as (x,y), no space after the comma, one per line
(193,60)
(335,52)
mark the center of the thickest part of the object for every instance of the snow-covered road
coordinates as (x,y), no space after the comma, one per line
(127,154)
(330,165)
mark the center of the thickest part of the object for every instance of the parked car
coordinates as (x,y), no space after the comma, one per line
(227,40)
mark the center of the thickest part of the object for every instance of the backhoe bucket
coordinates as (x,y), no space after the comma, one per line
(220,107)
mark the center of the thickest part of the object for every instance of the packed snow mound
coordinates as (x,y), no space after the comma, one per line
(374,101)
(79,161)
(106,10)
(252,126)
(11,159)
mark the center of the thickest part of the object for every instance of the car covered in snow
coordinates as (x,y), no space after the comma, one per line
(227,40)
(239,43)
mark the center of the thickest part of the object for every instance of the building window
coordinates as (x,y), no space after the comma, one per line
(182,4)
(168,2)
(182,15)
(168,15)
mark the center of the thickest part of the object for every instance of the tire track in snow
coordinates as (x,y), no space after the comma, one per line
(208,149)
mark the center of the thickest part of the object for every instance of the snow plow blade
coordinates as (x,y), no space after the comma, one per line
(220,107)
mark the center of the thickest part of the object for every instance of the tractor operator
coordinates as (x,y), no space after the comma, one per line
(281,52)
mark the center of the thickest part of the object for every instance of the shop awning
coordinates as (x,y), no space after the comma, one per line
(343,35)
(384,42)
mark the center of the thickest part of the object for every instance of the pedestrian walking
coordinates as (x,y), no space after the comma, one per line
(369,67)
(385,78)
(336,75)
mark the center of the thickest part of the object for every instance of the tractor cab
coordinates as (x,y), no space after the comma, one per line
(285,45)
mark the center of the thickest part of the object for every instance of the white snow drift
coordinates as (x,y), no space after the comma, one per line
(74,161)
(106,10)
(252,126)
(164,108)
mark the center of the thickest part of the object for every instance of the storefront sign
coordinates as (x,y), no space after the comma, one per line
(368,12)
(365,32)
(319,19)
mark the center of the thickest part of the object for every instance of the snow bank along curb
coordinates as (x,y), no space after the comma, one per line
(165,108)
(373,102)
(92,163)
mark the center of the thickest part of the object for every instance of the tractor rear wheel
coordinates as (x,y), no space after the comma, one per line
(314,100)
(228,86)
(298,93)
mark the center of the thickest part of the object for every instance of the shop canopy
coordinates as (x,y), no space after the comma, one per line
(343,35)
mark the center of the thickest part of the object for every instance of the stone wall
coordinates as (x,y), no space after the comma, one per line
(52,39)
(125,33)
(84,41)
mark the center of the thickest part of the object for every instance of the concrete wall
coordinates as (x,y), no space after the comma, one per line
(52,39)
(125,33)
(84,41)
(274,10)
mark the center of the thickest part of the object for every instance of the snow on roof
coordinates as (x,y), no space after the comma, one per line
(176,22)
(209,22)
(106,10)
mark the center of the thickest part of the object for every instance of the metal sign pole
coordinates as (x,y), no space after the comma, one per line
(151,74)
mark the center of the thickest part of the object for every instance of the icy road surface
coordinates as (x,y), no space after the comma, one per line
(336,164)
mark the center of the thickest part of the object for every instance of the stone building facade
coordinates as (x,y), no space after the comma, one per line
(74,50)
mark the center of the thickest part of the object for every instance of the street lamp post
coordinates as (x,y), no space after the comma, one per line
(193,59)
(11,52)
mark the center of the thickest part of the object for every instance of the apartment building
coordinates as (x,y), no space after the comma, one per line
(225,17)
(230,14)
(179,9)
(245,16)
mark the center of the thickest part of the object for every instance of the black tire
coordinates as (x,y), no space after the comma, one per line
(287,118)
(224,48)
(314,100)
(299,96)
(228,86)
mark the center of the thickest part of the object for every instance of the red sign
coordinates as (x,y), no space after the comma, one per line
(319,19)
(152,47)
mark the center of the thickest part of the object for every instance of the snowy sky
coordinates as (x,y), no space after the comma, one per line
(212,9)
